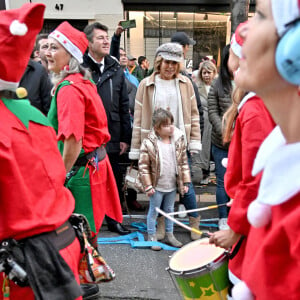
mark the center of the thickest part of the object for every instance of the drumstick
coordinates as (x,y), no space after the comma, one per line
(179,223)
(196,209)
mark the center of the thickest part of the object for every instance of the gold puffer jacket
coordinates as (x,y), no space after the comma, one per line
(149,162)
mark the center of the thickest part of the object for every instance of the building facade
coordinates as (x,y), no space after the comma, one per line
(206,21)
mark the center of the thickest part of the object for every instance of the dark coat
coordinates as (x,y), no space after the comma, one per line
(132,89)
(38,85)
(199,105)
(218,103)
(112,89)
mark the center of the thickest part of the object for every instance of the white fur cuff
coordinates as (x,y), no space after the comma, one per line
(195,146)
(134,154)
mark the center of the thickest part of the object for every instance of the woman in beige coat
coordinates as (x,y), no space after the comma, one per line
(168,89)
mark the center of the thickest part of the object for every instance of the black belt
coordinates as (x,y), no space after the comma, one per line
(237,247)
(61,237)
(83,160)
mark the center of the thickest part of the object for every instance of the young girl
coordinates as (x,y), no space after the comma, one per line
(163,161)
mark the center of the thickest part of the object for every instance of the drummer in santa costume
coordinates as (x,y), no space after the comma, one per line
(271,67)
(247,124)
(78,116)
(34,204)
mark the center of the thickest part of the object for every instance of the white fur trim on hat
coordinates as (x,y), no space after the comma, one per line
(236,47)
(67,44)
(17,28)
(7,85)
(284,12)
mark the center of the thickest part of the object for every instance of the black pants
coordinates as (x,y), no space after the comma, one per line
(119,164)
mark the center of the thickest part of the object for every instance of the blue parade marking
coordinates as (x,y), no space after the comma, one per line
(129,239)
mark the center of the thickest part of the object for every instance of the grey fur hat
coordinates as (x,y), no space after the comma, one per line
(170,51)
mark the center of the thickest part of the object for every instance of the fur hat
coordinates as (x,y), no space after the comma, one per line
(170,51)
(73,40)
(18,30)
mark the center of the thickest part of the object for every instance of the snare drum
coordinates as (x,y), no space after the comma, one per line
(200,271)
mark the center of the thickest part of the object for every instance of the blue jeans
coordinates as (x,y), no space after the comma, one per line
(189,199)
(167,199)
(221,196)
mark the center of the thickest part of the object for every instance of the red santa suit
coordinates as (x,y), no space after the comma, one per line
(252,126)
(272,260)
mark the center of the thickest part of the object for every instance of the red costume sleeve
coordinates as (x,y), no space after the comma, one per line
(70,113)
(252,127)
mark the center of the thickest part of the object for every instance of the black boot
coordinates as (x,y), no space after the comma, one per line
(90,291)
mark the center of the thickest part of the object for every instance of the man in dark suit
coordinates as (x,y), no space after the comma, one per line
(109,78)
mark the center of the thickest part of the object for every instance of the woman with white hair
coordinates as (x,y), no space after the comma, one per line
(79,119)
(270,67)
(167,88)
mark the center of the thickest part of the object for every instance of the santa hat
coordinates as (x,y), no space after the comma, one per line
(73,40)
(285,12)
(18,30)
(237,41)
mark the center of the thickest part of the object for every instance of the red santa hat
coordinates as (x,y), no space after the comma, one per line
(285,12)
(237,41)
(18,30)
(73,40)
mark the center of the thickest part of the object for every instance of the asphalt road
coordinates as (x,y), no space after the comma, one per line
(140,272)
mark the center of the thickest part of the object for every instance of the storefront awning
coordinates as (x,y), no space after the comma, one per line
(181,5)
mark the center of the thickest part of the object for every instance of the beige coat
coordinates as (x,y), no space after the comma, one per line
(144,109)
(150,161)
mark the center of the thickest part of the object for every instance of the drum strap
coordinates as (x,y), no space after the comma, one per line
(237,247)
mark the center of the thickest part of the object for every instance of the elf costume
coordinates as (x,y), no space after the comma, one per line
(33,199)
(76,109)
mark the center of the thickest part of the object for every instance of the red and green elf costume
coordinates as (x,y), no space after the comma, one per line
(77,109)
(33,199)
